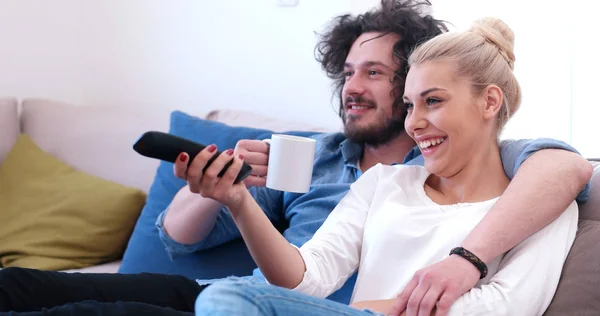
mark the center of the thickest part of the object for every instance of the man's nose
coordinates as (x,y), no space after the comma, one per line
(354,86)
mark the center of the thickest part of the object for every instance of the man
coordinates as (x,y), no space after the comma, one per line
(365,55)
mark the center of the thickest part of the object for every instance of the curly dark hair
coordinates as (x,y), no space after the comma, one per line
(402,17)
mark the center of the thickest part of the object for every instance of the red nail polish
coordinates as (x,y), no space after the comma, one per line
(241,157)
(211,148)
(229,152)
(182,157)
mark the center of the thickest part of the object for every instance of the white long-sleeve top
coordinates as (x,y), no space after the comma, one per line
(388,229)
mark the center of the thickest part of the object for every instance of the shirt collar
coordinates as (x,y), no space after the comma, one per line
(415,152)
(351,152)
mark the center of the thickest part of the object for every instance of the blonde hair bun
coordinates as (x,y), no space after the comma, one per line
(496,32)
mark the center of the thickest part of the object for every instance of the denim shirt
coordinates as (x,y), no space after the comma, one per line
(335,168)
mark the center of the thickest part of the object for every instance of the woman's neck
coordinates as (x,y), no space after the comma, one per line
(482,178)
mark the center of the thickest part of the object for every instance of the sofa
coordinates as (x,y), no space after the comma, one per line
(97,140)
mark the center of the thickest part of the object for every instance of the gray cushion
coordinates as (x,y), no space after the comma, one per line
(578,291)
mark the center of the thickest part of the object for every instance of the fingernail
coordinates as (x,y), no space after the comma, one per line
(241,157)
(182,157)
(229,152)
(211,148)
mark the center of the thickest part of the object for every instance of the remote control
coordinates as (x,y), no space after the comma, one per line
(167,147)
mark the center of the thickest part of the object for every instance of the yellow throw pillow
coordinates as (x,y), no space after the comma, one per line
(53,217)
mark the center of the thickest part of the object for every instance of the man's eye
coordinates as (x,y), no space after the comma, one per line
(408,106)
(347,73)
(374,72)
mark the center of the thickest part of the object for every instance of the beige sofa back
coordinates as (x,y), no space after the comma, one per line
(95,139)
(98,139)
(9,125)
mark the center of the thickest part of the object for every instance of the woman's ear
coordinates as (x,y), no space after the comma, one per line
(493,97)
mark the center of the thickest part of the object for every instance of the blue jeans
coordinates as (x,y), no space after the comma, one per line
(245,296)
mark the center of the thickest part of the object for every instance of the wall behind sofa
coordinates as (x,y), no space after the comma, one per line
(254,55)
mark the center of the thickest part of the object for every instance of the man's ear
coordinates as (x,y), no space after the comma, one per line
(493,98)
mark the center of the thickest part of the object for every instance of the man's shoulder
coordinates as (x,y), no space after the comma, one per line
(329,142)
(330,138)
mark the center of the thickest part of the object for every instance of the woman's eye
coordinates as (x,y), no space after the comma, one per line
(432,101)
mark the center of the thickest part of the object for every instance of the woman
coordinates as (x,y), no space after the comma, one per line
(395,220)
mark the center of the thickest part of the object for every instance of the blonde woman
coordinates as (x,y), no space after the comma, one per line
(459,94)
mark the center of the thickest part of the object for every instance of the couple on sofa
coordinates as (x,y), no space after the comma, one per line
(456,225)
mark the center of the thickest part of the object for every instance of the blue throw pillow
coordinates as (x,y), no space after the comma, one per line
(145,251)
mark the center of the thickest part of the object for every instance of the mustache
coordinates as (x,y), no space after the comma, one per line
(360,100)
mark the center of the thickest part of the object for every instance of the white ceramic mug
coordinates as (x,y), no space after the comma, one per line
(291,160)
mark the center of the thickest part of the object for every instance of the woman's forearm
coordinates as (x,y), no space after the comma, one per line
(545,185)
(190,217)
(279,261)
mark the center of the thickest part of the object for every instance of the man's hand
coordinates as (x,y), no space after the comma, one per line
(256,154)
(436,287)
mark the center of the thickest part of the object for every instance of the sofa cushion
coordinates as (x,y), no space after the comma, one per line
(146,252)
(577,292)
(55,217)
(9,125)
(250,119)
(577,289)
(96,139)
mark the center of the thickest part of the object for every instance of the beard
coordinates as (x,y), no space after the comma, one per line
(381,131)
